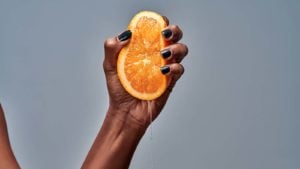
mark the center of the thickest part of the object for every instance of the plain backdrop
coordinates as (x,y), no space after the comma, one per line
(236,107)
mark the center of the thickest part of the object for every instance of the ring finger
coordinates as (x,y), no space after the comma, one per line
(175,52)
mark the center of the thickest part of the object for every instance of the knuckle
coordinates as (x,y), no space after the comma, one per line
(175,27)
(177,33)
(186,49)
(178,30)
(105,65)
(178,68)
(182,49)
(181,69)
(109,43)
(177,72)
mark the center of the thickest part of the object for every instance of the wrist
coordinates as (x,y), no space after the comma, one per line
(125,120)
(115,143)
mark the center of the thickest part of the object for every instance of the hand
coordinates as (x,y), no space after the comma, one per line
(125,107)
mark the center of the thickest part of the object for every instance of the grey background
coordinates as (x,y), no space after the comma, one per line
(236,107)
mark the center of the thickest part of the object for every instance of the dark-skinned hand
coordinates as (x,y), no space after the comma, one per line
(126,107)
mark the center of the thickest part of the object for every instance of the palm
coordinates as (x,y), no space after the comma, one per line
(141,110)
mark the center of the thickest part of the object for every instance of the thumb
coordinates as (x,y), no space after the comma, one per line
(112,47)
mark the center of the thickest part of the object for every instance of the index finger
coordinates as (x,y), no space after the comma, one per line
(166,20)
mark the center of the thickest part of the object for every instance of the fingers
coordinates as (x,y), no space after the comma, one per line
(172,33)
(175,52)
(112,47)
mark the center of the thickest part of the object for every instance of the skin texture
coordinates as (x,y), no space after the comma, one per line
(128,118)
(7,158)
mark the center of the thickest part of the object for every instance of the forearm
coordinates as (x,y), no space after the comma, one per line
(7,158)
(115,143)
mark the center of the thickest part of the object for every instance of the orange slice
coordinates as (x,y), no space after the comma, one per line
(139,62)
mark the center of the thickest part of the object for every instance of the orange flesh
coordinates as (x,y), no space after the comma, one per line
(143,61)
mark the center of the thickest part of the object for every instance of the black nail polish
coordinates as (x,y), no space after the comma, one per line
(125,35)
(165,69)
(165,53)
(167,33)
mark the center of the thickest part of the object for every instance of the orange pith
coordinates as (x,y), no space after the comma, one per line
(139,62)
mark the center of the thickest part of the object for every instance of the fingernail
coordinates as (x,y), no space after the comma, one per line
(167,33)
(165,53)
(165,69)
(125,35)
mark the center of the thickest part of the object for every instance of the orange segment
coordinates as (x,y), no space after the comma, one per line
(139,62)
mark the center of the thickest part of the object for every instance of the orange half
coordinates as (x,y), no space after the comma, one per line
(139,62)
